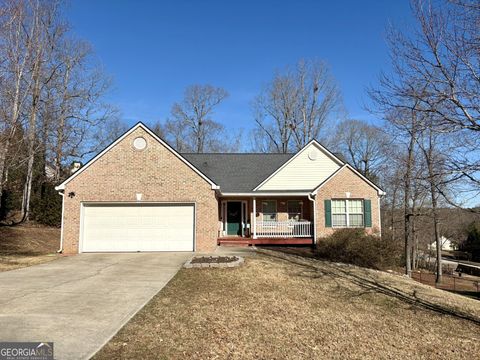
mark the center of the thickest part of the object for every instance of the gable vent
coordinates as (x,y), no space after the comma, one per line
(313,154)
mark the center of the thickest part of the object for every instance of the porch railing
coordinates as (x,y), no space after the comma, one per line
(282,229)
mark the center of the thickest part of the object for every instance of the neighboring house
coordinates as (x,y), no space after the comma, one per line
(447,244)
(139,194)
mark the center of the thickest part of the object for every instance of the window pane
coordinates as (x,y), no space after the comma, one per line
(356,220)
(339,220)
(269,210)
(294,206)
(338,206)
(355,206)
(269,206)
(294,209)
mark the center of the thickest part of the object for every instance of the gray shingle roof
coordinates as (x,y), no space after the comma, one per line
(237,172)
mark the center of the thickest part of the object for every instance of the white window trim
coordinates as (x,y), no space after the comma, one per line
(347,214)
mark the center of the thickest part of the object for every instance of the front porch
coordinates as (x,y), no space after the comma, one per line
(248,241)
(285,220)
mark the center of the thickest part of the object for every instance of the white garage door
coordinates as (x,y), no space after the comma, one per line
(137,227)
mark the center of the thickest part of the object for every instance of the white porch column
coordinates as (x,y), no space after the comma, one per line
(313,199)
(254,219)
(315,220)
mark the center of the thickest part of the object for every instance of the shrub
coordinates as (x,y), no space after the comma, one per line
(354,246)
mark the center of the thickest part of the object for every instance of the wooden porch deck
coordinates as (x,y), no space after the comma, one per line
(248,241)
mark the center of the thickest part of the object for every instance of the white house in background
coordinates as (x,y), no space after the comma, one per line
(447,244)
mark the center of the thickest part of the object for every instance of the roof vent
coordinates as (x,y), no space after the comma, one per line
(313,154)
(140,143)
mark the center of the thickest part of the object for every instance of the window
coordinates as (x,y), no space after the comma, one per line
(347,213)
(295,210)
(269,210)
(339,214)
(355,213)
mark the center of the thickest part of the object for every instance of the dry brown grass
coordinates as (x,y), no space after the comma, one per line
(297,309)
(26,245)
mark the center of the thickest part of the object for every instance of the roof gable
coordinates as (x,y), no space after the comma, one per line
(114,143)
(304,171)
(357,173)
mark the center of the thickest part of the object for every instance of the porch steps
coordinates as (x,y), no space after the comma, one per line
(233,242)
(263,241)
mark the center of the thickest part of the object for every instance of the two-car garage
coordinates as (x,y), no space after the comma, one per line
(130,227)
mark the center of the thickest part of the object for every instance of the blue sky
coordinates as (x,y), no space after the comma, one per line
(155,49)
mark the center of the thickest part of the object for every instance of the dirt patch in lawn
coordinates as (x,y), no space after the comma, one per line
(26,245)
(275,308)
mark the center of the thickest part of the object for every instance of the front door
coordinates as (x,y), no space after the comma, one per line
(234,218)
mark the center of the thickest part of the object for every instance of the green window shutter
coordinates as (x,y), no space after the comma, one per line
(328,213)
(367,206)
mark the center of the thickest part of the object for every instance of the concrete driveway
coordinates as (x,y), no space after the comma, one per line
(80,302)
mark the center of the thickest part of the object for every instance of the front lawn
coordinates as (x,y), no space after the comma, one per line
(26,245)
(272,308)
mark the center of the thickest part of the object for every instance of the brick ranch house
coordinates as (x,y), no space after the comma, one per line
(139,194)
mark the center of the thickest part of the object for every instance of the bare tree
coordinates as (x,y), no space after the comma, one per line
(295,106)
(79,113)
(407,122)
(192,128)
(45,29)
(363,145)
(158,129)
(51,107)
(435,147)
(16,56)
(437,66)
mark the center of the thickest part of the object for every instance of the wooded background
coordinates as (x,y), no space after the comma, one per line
(424,149)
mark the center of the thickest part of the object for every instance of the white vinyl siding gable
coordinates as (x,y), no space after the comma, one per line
(303,173)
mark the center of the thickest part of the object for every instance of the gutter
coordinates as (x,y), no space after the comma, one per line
(60,250)
(260,194)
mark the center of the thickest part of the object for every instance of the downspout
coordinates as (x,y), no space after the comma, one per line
(381,194)
(312,198)
(62,194)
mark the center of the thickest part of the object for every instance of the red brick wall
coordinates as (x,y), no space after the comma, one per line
(155,172)
(346,181)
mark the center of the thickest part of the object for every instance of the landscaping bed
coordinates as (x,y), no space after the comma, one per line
(214,261)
